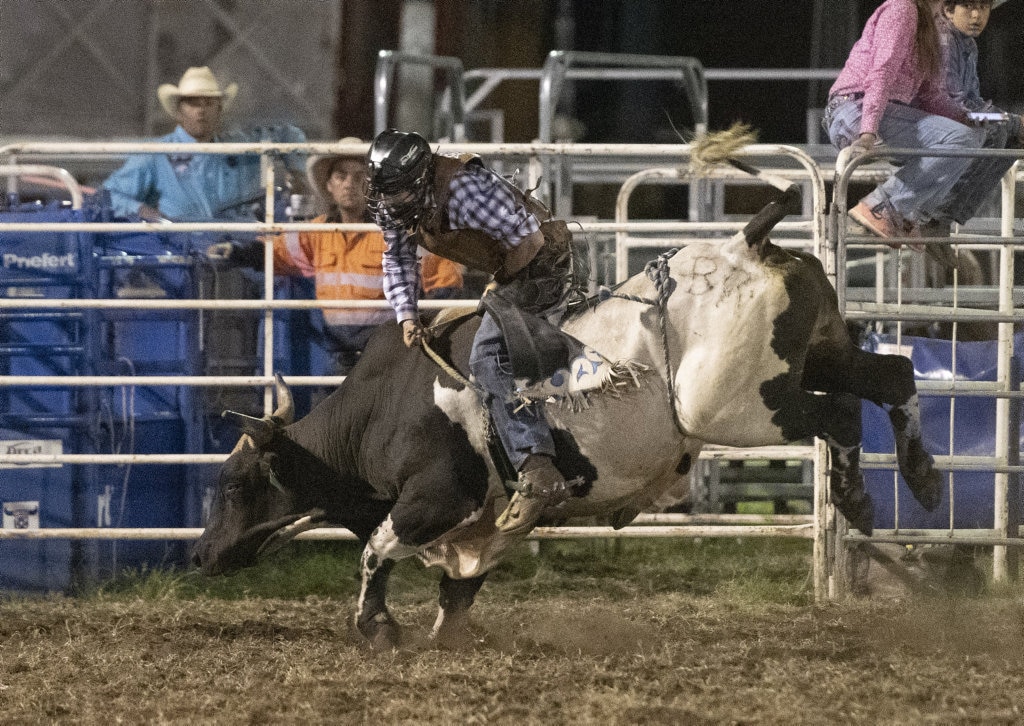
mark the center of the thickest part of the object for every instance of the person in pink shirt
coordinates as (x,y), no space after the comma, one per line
(891,91)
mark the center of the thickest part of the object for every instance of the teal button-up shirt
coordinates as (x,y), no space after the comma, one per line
(197,187)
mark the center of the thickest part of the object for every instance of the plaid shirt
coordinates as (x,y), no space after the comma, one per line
(882,66)
(478,199)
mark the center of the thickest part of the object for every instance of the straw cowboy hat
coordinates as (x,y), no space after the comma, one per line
(318,168)
(196,81)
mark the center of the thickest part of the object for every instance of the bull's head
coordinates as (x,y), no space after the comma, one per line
(253,511)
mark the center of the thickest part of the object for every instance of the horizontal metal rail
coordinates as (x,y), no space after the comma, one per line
(763,453)
(43,381)
(490,78)
(978,537)
(944,463)
(561,149)
(800,531)
(167,304)
(263,228)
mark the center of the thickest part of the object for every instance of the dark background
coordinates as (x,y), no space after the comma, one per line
(736,34)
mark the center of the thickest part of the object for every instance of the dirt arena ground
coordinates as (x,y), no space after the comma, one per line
(562,641)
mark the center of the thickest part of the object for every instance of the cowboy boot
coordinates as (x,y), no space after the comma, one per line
(540,486)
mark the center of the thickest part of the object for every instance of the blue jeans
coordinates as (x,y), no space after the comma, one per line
(983,175)
(923,188)
(523,431)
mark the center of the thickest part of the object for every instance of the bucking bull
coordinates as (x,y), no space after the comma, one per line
(735,342)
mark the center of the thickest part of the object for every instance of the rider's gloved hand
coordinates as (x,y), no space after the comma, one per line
(413,333)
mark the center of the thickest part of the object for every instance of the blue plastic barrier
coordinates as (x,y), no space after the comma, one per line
(42,496)
(140,419)
(973,434)
(104,420)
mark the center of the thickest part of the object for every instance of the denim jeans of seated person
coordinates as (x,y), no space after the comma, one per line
(920,190)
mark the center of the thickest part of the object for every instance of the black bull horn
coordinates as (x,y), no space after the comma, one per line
(261,430)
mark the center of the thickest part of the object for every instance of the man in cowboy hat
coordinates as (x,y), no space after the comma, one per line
(345,265)
(187,187)
(196,187)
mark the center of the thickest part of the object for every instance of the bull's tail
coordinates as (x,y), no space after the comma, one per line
(757,229)
(717,148)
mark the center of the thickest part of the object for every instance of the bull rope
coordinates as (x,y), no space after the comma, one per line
(449,369)
(489,433)
(657,272)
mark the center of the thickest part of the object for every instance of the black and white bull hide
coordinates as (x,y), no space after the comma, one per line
(757,355)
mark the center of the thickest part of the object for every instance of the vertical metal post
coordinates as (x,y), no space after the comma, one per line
(1004,351)
(1013,485)
(819,555)
(267,176)
(383,79)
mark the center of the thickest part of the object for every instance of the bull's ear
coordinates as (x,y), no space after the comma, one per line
(267,464)
(260,429)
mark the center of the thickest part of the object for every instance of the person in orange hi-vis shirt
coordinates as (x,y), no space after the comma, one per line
(345,265)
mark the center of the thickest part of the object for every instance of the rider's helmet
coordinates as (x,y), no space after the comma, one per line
(400,172)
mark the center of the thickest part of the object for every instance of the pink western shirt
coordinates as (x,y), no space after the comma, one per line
(882,66)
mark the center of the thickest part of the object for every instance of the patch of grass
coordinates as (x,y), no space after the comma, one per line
(772,571)
(329,569)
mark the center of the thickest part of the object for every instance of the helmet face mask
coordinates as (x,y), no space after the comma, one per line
(400,173)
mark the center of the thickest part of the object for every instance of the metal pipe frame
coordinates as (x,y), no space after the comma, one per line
(825,520)
(562,65)
(1000,464)
(809,172)
(388,62)
(53,172)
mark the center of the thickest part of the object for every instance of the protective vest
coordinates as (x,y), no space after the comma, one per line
(344,265)
(348,266)
(471,247)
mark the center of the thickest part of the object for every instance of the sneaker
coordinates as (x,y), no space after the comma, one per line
(540,486)
(879,225)
(882,225)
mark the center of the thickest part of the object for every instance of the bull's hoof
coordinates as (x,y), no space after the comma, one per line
(624,516)
(381,632)
(859,511)
(923,479)
(927,489)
